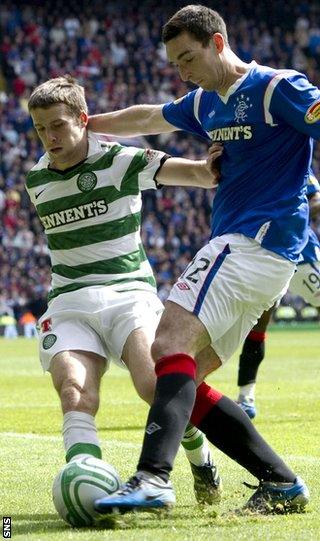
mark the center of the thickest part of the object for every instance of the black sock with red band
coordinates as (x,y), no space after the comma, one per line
(169,414)
(227,426)
(221,419)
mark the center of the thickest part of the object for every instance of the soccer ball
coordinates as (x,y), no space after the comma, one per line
(78,485)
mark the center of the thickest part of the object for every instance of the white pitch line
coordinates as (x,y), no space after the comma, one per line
(304,458)
(50,405)
(129,445)
(43,437)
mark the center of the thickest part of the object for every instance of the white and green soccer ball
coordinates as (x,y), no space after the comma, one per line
(78,484)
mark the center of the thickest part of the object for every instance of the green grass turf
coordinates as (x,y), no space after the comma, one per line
(32,453)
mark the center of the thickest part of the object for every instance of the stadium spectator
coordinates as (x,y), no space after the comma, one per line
(7,319)
(28,322)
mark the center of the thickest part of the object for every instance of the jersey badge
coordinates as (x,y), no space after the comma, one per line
(151,154)
(49,341)
(241,106)
(183,286)
(87,181)
(46,325)
(313,113)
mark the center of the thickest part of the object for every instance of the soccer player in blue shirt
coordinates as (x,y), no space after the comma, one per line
(266,120)
(305,283)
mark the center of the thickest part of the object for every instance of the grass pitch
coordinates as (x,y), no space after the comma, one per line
(32,452)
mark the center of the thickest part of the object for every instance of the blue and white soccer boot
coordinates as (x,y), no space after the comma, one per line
(144,491)
(248,406)
(273,497)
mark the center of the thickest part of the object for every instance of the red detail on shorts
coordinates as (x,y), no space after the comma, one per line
(179,363)
(182,285)
(257,336)
(46,325)
(206,399)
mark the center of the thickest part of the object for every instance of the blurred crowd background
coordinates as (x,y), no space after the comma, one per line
(115,50)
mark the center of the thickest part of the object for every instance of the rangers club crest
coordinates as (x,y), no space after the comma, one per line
(241,106)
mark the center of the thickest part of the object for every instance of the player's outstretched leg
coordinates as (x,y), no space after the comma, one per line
(205,478)
(167,420)
(230,429)
(221,419)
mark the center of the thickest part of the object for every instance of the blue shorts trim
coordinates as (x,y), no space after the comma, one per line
(209,278)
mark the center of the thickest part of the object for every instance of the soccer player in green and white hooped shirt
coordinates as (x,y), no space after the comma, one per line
(103,304)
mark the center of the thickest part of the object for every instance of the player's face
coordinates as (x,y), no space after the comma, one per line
(196,63)
(62,134)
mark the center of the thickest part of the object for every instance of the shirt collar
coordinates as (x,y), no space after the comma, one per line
(237,83)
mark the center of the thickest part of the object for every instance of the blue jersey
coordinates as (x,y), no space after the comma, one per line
(311,251)
(266,123)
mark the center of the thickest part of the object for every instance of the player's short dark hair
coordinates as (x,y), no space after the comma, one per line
(63,89)
(199,21)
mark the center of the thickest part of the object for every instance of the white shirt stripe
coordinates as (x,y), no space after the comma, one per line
(196,104)
(269,92)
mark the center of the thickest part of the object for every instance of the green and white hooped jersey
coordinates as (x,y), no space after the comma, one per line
(91,214)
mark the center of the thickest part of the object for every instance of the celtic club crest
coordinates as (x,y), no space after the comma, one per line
(87,181)
(48,341)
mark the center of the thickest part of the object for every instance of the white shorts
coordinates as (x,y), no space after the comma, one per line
(306,283)
(228,285)
(96,319)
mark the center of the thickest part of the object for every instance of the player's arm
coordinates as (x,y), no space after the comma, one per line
(134,120)
(314,204)
(295,100)
(184,172)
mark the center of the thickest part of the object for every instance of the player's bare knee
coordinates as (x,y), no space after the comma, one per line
(75,397)
(160,347)
(146,393)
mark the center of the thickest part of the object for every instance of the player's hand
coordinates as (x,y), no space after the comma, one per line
(213,160)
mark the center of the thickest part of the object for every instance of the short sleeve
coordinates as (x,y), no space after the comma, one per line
(181,113)
(297,102)
(153,160)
